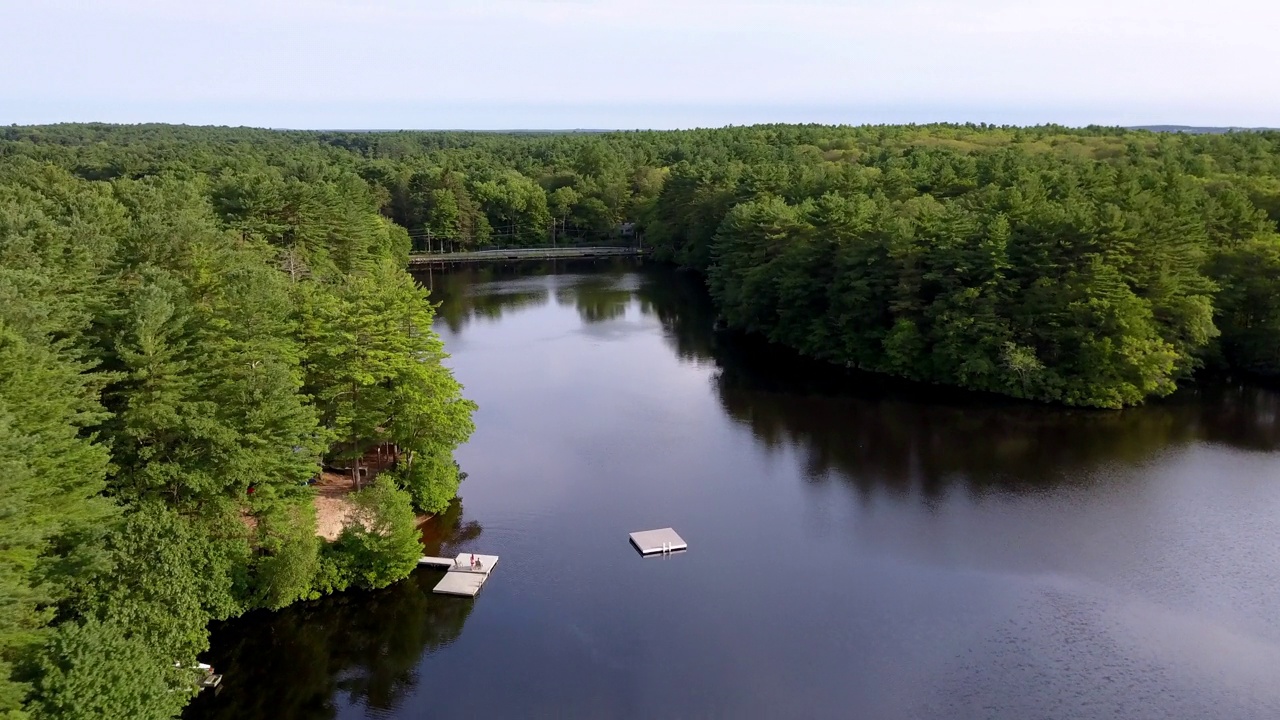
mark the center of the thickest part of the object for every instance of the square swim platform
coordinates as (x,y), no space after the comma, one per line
(649,542)
(466,584)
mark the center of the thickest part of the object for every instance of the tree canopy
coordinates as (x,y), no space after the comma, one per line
(178,351)
(193,321)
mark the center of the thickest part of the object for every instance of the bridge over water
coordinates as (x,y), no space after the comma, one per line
(507,254)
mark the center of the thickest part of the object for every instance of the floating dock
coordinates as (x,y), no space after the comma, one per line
(436,561)
(463,578)
(651,542)
(206,677)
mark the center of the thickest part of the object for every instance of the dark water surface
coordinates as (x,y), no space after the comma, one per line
(858,548)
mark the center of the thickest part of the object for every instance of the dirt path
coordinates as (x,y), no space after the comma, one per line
(332,504)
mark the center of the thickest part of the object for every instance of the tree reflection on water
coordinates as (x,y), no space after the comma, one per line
(361,647)
(487,291)
(880,433)
(597,298)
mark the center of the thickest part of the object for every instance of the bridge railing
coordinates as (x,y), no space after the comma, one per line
(582,244)
(526,253)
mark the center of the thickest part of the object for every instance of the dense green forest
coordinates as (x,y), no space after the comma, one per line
(1094,267)
(181,349)
(1095,271)
(193,321)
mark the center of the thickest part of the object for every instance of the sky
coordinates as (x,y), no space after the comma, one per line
(555,64)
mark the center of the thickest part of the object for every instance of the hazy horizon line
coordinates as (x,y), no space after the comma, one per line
(553,116)
(1168,127)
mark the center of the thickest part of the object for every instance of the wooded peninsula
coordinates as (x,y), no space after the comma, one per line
(196,323)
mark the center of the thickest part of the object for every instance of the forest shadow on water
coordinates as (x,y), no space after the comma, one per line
(359,648)
(876,431)
(872,430)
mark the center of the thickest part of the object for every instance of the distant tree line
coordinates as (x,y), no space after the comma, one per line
(1075,267)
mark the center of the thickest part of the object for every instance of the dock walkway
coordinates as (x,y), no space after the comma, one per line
(463,578)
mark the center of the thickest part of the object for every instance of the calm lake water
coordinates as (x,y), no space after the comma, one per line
(858,548)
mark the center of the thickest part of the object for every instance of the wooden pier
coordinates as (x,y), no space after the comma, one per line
(463,578)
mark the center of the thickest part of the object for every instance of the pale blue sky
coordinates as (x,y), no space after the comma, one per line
(638,63)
